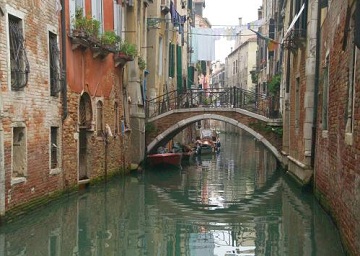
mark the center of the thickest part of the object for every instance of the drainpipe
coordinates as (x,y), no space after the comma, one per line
(63,57)
(316,87)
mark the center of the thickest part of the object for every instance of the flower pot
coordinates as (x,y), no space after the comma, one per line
(121,58)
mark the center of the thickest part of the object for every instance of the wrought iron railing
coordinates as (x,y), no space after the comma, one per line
(223,98)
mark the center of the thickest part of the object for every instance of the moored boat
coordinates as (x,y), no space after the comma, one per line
(170,159)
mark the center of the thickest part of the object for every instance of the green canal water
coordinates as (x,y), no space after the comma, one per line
(233,203)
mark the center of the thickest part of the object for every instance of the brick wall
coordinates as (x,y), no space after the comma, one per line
(163,123)
(337,168)
(33,108)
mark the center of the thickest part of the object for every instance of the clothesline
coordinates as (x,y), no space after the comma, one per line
(231,35)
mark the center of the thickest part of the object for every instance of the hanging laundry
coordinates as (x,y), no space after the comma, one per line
(203,43)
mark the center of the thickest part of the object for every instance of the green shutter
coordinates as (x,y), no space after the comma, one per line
(171,60)
(191,72)
(179,68)
(190,4)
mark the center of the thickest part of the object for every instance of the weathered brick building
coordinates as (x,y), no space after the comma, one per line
(320,108)
(66,90)
(94,141)
(30,105)
(337,167)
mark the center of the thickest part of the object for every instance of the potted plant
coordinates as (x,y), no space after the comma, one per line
(128,49)
(93,28)
(126,52)
(79,24)
(141,63)
(110,40)
(85,30)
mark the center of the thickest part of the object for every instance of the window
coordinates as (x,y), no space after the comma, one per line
(79,5)
(19,64)
(118,18)
(325,96)
(54,147)
(97,12)
(85,111)
(301,23)
(54,55)
(19,166)
(352,80)
(116,121)
(75,5)
(99,118)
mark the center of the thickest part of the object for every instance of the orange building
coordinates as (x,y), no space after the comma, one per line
(96,130)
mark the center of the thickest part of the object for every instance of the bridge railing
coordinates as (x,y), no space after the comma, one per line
(223,98)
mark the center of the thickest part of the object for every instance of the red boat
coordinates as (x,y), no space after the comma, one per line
(173,159)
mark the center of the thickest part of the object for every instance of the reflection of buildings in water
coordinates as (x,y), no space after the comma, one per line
(201,243)
(226,243)
(216,202)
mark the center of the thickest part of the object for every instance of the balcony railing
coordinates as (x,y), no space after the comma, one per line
(223,98)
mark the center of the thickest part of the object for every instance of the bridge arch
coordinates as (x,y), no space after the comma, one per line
(171,131)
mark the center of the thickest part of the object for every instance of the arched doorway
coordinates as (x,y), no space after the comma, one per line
(85,123)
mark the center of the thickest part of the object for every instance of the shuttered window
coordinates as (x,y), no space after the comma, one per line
(179,68)
(171,60)
(97,12)
(118,18)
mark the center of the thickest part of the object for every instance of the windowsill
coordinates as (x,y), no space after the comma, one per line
(325,134)
(349,139)
(17,180)
(55,171)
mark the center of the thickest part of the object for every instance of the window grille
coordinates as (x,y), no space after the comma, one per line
(54,147)
(19,64)
(54,65)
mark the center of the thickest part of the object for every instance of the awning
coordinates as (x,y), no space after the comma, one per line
(293,22)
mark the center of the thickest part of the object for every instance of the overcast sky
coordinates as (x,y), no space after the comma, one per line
(228,12)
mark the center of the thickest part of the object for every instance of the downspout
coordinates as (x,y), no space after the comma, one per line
(63,59)
(316,87)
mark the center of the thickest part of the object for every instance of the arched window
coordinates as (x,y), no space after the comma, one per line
(85,111)
(99,118)
(116,118)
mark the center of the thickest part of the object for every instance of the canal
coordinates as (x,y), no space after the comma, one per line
(233,203)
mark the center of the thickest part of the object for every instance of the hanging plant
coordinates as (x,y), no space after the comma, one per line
(128,49)
(141,63)
(110,38)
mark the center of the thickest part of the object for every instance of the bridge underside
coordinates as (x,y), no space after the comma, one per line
(166,135)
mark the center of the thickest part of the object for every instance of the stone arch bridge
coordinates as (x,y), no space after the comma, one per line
(165,126)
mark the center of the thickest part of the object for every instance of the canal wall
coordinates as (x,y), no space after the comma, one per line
(337,167)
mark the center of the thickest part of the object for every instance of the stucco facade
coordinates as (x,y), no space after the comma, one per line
(239,64)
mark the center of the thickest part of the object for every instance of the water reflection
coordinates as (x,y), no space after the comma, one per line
(233,203)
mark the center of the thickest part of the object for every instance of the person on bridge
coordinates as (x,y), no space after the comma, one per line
(217,145)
